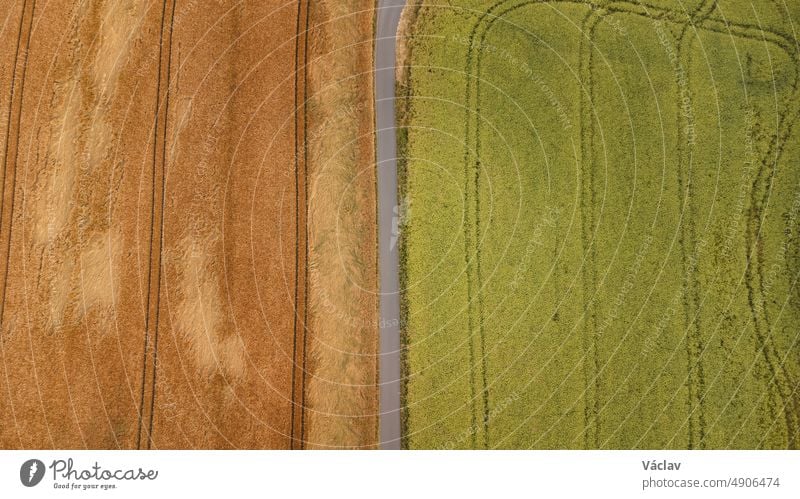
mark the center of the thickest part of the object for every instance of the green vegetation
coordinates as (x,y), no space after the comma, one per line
(602,243)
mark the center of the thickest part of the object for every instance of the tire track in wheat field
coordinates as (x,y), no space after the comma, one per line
(756,33)
(301,228)
(587,193)
(688,240)
(700,16)
(754,278)
(150,355)
(593,17)
(472,185)
(591,409)
(11,150)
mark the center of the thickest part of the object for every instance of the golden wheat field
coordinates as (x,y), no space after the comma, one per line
(187,225)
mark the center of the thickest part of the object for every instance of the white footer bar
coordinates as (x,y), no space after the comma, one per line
(354,474)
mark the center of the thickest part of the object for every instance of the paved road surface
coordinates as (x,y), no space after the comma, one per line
(388,212)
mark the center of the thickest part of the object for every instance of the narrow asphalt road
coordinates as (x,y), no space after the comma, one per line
(389,213)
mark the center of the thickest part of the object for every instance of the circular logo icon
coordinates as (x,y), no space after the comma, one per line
(31,472)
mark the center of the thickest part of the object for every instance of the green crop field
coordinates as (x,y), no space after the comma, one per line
(600,246)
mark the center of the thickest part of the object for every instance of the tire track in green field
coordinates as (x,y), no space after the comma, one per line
(738,31)
(591,409)
(700,17)
(780,40)
(478,239)
(476,166)
(474,179)
(591,368)
(754,281)
(779,376)
(688,235)
(781,380)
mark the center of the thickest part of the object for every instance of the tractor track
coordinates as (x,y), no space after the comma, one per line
(702,18)
(591,363)
(11,151)
(754,278)
(301,236)
(158,193)
(688,244)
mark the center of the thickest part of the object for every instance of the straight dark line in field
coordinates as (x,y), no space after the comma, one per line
(158,194)
(152,218)
(161,226)
(296,223)
(688,241)
(475,189)
(467,245)
(11,153)
(688,280)
(591,354)
(301,236)
(305,219)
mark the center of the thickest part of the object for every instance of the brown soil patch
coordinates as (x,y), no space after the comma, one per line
(174,234)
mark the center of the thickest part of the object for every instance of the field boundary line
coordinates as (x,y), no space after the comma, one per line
(403,109)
